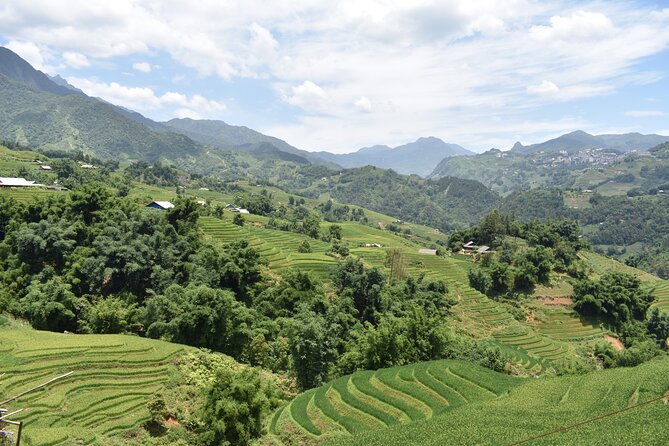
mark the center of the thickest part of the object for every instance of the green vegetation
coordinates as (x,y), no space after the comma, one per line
(114,376)
(371,400)
(545,406)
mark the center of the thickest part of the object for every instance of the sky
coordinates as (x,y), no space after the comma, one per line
(341,75)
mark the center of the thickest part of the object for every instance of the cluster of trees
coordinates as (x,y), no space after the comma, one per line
(525,254)
(110,265)
(623,304)
(158,174)
(446,203)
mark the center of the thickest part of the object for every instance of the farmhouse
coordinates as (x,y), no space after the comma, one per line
(373,245)
(484,250)
(45,167)
(17,182)
(162,205)
(232,208)
(87,166)
(432,252)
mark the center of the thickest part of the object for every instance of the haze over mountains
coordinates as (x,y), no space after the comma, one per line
(38,110)
(418,157)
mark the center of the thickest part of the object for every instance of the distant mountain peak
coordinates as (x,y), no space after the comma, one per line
(18,70)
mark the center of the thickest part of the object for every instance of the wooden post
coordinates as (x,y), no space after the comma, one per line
(18,435)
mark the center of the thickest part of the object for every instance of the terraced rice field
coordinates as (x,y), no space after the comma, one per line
(602,264)
(660,290)
(113,377)
(278,247)
(528,348)
(26,195)
(395,396)
(554,407)
(567,325)
(535,344)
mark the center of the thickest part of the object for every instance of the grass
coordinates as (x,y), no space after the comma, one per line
(533,407)
(370,400)
(107,394)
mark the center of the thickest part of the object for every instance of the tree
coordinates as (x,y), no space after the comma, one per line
(479,279)
(312,225)
(184,215)
(110,315)
(658,325)
(335,232)
(304,247)
(51,306)
(312,349)
(616,297)
(238,220)
(362,286)
(201,317)
(235,404)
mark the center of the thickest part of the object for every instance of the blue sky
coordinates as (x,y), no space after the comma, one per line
(340,75)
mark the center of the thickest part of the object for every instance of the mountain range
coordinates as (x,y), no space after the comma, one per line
(42,111)
(418,157)
(580,140)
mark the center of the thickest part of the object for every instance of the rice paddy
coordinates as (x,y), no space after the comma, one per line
(396,396)
(114,375)
(618,406)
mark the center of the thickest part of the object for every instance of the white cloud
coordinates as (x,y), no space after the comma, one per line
(307,96)
(76,60)
(580,25)
(644,113)
(442,67)
(28,51)
(144,99)
(544,88)
(143,67)
(363,104)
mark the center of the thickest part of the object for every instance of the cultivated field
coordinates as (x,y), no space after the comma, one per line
(626,406)
(114,375)
(396,396)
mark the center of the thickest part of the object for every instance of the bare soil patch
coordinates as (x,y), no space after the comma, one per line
(172,422)
(559,301)
(615,343)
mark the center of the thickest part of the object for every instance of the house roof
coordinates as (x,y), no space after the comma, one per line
(45,167)
(16,182)
(163,204)
(483,249)
(469,244)
(427,251)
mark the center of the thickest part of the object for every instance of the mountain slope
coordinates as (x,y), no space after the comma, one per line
(418,157)
(17,69)
(580,140)
(225,136)
(75,122)
(445,203)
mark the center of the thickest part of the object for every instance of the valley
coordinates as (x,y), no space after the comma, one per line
(209,284)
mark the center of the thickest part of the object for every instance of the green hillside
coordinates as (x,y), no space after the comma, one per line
(370,400)
(446,402)
(114,376)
